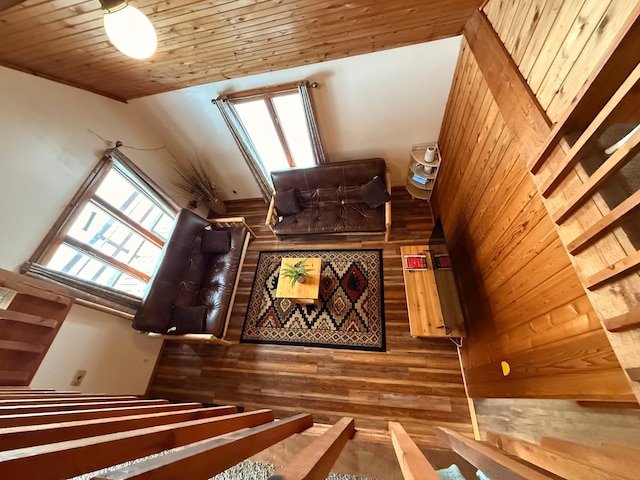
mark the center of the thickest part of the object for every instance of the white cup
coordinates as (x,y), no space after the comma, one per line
(430,154)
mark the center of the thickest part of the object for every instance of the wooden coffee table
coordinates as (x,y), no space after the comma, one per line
(306,293)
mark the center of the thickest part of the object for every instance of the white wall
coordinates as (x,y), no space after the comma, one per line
(47,151)
(378,104)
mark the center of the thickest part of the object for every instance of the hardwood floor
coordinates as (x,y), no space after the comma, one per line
(416,381)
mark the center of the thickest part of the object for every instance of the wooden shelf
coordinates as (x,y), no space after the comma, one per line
(416,168)
(419,193)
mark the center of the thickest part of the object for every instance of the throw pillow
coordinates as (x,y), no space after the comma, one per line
(374,192)
(186,319)
(215,241)
(287,202)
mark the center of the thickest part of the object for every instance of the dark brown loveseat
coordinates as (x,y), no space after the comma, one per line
(330,199)
(191,292)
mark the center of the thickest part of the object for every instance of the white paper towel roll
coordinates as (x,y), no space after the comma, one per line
(430,154)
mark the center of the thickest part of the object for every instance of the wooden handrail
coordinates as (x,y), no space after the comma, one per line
(412,462)
(603,225)
(93,453)
(214,455)
(614,163)
(492,462)
(626,321)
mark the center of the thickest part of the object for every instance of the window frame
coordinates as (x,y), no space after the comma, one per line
(225,104)
(87,292)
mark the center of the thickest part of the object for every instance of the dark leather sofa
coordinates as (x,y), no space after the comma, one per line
(187,277)
(330,199)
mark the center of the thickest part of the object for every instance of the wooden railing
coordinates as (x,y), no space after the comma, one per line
(594,199)
(32,311)
(46,434)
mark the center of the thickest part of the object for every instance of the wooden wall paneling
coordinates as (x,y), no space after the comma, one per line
(566,321)
(561,359)
(558,462)
(480,154)
(542,288)
(557,34)
(526,33)
(625,467)
(547,16)
(570,50)
(92,453)
(514,26)
(521,113)
(615,23)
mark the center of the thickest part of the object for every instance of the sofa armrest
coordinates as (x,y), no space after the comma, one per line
(387,208)
(228,222)
(272,216)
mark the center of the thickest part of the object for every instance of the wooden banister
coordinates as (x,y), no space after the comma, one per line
(52,461)
(25,436)
(622,322)
(316,460)
(495,464)
(210,457)
(412,462)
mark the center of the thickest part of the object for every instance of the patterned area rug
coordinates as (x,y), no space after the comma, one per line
(351,314)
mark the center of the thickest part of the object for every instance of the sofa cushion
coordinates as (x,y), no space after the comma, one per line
(186,319)
(287,202)
(332,219)
(374,193)
(215,241)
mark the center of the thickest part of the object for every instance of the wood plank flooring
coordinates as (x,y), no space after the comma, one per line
(416,382)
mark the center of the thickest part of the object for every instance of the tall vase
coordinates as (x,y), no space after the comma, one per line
(217,206)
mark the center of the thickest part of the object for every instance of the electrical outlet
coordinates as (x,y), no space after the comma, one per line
(78,377)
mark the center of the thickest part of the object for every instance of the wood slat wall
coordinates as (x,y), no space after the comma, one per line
(607,265)
(555,43)
(416,382)
(524,301)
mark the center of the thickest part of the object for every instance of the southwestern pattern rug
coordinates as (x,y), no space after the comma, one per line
(351,314)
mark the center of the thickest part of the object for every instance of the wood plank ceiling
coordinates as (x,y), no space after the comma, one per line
(206,41)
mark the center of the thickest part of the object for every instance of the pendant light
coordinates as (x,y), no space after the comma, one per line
(129,29)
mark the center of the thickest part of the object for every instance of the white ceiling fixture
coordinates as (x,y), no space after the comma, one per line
(129,29)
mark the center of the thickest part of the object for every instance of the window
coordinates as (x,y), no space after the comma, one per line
(107,243)
(275,129)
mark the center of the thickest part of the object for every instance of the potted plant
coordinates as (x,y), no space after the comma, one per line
(298,272)
(193,178)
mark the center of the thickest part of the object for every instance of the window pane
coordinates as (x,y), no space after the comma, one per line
(259,125)
(294,125)
(98,229)
(122,194)
(70,261)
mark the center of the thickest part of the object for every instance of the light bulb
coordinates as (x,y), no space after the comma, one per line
(131,32)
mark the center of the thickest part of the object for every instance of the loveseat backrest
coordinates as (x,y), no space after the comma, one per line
(177,262)
(329,182)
